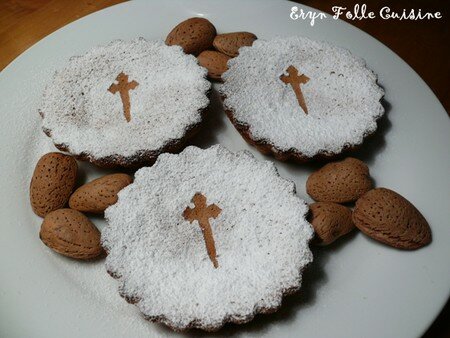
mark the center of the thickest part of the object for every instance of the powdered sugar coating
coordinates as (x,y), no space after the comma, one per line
(261,238)
(342,96)
(84,116)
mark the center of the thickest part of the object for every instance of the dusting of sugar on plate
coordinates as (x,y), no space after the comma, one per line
(82,114)
(261,238)
(341,95)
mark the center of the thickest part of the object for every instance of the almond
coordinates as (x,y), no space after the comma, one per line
(72,234)
(52,182)
(99,194)
(339,182)
(388,217)
(230,43)
(215,62)
(194,35)
(330,221)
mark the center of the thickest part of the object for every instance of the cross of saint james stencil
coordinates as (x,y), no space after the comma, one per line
(123,87)
(295,81)
(202,213)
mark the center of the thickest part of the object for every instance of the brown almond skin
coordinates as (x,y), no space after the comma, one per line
(215,62)
(97,195)
(194,35)
(389,218)
(52,183)
(340,182)
(72,234)
(230,43)
(330,221)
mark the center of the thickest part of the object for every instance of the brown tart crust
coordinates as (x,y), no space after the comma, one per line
(141,158)
(265,147)
(196,324)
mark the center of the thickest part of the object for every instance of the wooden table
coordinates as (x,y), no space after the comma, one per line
(424,45)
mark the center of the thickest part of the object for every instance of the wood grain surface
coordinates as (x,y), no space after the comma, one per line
(424,45)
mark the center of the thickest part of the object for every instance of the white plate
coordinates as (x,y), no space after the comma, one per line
(358,288)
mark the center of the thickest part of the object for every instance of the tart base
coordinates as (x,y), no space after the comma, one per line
(141,158)
(266,148)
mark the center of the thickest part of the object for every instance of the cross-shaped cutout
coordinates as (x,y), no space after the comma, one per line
(123,87)
(202,213)
(295,81)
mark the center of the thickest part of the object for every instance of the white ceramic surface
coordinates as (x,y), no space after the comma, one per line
(357,288)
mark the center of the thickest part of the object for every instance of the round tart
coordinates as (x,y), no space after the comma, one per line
(125,103)
(300,99)
(207,237)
